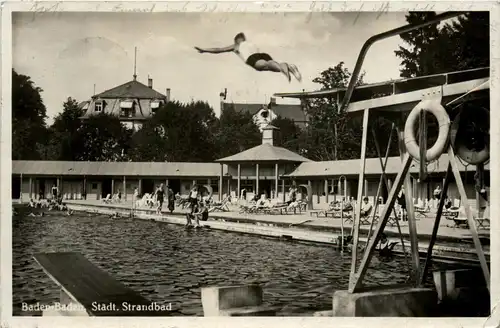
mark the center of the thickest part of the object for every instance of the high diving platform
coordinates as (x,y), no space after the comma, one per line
(403,94)
(455,99)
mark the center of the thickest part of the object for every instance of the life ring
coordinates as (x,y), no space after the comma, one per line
(443,119)
(459,137)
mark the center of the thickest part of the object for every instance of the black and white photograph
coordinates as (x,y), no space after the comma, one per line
(277,163)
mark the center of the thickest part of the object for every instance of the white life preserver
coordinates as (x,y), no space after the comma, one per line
(436,109)
(469,156)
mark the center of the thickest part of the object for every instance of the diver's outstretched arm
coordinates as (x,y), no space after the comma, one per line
(215,50)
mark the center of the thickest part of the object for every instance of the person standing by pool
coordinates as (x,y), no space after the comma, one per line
(171,199)
(159,198)
(55,192)
(193,196)
(136,198)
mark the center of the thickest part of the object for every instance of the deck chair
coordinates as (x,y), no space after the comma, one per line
(420,208)
(365,219)
(222,206)
(107,200)
(393,218)
(484,222)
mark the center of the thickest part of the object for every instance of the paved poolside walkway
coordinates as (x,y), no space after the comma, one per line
(305,220)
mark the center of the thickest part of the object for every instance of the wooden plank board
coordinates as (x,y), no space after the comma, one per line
(94,288)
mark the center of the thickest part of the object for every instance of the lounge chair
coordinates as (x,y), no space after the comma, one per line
(107,200)
(365,219)
(222,206)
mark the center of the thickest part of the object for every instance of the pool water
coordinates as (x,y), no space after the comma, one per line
(168,264)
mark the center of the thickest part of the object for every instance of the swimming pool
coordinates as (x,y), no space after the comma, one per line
(168,264)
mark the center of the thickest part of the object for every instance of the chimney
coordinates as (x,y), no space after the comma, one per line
(272,102)
(168,94)
(268,134)
(150,82)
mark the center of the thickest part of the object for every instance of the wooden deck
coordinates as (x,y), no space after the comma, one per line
(96,290)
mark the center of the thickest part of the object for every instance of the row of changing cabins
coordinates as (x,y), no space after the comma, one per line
(325,181)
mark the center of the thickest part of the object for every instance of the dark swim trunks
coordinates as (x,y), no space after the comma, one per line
(256,57)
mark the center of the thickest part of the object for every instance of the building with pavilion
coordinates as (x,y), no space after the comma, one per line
(261,168)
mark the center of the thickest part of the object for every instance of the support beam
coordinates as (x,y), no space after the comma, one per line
(124,187)
(356,223)
(436,225)
(276,180)
(357,280)
(239,181)
(309,195)
(112,186)
(283,189)
(410,212)
(31,188)
(326,190)
(470,218)
(85,187)
(383,178)
(257,177)
(140,187)
(221,177)
(21,188)
(480,184)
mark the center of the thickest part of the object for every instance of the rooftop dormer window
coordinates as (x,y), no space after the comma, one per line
(155,104)
(98,106)
(127,108)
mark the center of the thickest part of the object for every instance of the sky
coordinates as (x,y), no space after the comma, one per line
(67,53)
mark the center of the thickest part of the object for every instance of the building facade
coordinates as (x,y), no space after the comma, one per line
(263,115)
(132,102)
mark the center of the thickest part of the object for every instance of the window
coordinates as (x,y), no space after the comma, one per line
(155,104)
(98,106)
(214,183)
(333,187)
(94,186)
(127,108)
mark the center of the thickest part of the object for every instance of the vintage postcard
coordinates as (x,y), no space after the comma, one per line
(328,162)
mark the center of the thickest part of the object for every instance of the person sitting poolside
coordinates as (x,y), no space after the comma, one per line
(366,208)
(32,203)
(193,215)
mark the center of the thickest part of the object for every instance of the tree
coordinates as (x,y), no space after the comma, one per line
(177,133)
(63,141)
(28,118)
(460,44)
(288,134)
(237,132)
(102,138)
(329,132)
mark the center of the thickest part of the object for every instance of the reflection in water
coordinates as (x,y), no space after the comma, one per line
(169,264)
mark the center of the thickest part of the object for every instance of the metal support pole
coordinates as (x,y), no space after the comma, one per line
(356,283)
(356,222)
(470,218)
(436,225)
